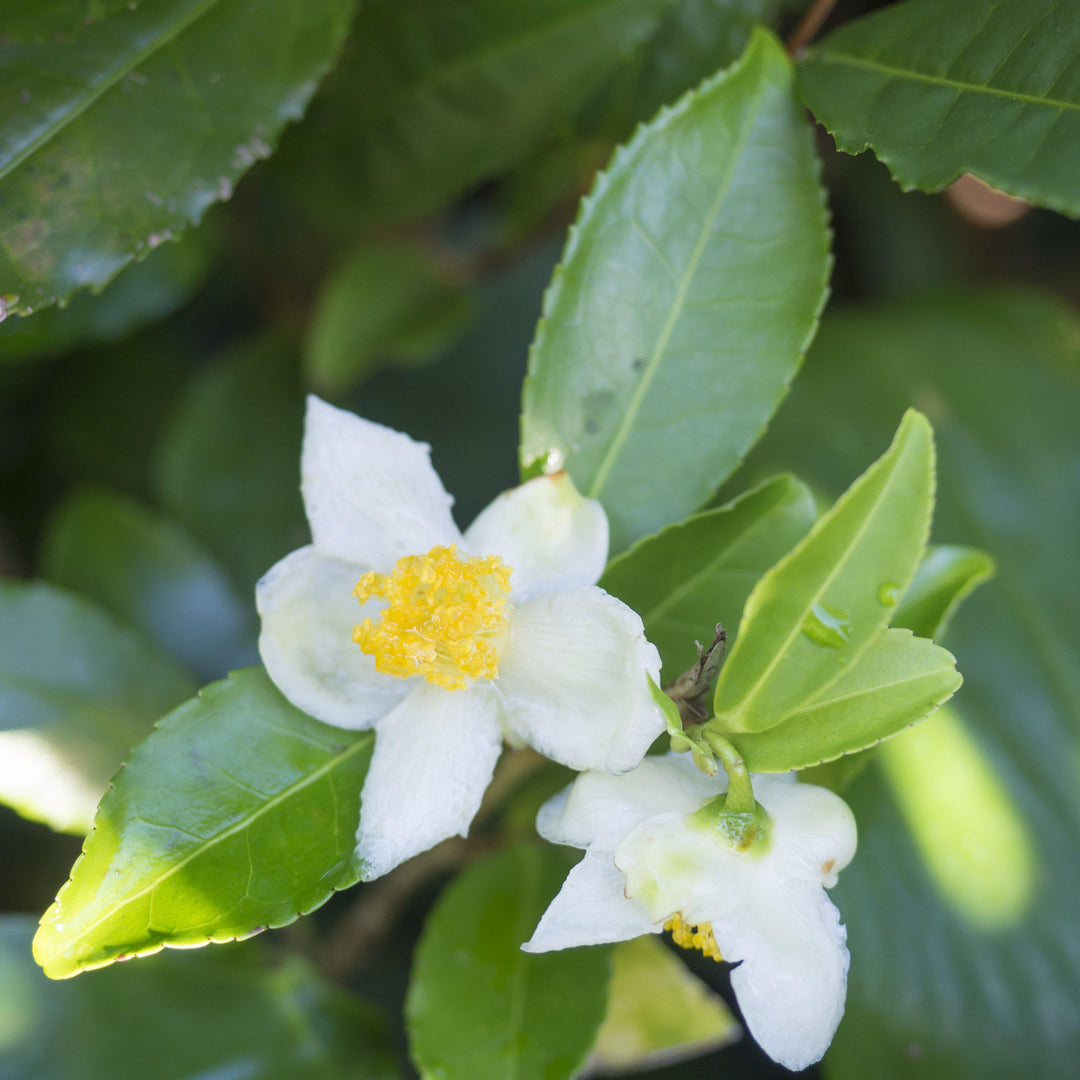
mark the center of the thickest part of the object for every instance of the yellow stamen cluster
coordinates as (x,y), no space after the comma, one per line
(445,618)
(691,936)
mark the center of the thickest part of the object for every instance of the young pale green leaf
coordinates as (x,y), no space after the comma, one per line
(149,572)
(813,614)
(693,40)
(972,86)
(386,302)
(22,21)
(478,1007)
(897,681)
(688,290)
(228,465)
(213,1013)
(77,691)
(967,882)
(687,578)
(435,96)
(89,173)
(946,577)
(237,814)
(659,1012)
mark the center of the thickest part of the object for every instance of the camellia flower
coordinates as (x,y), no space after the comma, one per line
(658,858)
(446,642)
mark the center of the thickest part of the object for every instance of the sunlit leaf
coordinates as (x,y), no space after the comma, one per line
(687,292)
(816,611)
(237,814)
(77,691)
(481,1009)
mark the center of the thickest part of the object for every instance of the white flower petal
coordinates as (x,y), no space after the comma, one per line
(590,909)
(573,678)
(308,611)
(792,981)
(599,809)
(370,492)
(814,834)
(552,537)
(434,756)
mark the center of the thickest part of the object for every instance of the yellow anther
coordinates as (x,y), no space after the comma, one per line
(693,936)
(445,618)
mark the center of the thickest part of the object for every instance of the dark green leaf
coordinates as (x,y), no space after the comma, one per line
(688,290)
(77,691)
(688,577)
(896,682)
(229,461)
(816,611)
(239,813)
(182,1016)
(945,579)
(29,20)
(970,979)
(438,95)
(122,137)
(141,294)
(150,573)
(981,86)
(481,1009)
(384,303)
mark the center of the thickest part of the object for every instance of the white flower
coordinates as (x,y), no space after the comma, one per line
(457,639)
(650,865)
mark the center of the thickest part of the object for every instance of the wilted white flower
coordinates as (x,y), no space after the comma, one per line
(655,860)
(457,640)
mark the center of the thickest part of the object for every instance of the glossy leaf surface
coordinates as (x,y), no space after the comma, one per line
(97,126)
(945,579)
(689,287)
(821,606)
(78,690)
(239,813)
(689,577)
(481,1009)
(897,681)
(214,1013)
(990,87)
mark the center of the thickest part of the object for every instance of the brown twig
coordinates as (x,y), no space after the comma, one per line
(809,26)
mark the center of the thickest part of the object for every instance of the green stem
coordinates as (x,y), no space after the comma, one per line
(740,793)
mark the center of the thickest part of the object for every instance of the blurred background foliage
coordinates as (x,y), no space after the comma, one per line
(394,262)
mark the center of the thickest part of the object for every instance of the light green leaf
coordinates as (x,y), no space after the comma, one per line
(97,128)
(435,96)
(694,39)
(659,1012)
(238,814)
(945,579)
(688,290)
(938,90)
(77,691)
(149,572)
(141,294)
(384,303)
(897,681)
(685,579)
(216,1013)
(33,21)
(478,1007)
(229,461)
(821,606)
(951,974)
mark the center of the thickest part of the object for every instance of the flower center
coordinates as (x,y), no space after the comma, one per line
(445,618)
(693,936)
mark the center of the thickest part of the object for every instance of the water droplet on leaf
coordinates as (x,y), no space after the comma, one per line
(825,626)
(888,594)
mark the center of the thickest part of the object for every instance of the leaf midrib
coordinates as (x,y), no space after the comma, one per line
(636,401)
(244,823)
(95,95)
(925,673)
(942,80)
